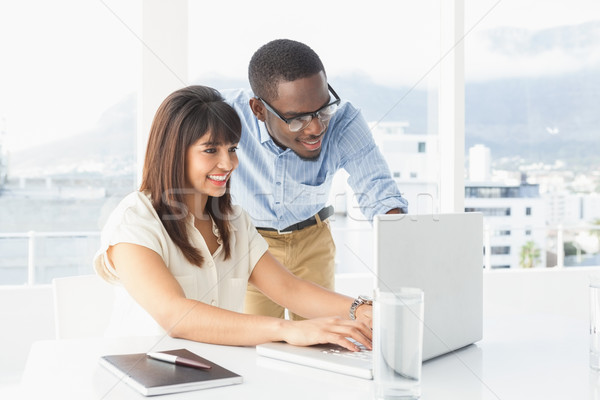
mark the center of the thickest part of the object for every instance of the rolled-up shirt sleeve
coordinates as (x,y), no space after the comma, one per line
(133,222)
(370,178)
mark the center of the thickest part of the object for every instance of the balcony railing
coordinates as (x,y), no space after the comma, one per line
(502,245)
(37,257)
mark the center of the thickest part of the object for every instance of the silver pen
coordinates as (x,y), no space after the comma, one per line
(172,359)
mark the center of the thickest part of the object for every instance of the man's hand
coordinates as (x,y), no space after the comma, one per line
(395,211)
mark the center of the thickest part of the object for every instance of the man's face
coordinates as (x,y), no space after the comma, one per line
(295,98)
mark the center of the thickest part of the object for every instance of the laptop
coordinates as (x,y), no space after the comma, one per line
(439,253)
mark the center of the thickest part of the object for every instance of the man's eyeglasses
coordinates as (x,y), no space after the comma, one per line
(299,122)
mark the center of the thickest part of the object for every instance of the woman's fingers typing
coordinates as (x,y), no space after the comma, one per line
(329,330)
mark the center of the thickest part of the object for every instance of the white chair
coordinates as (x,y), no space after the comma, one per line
(82,306)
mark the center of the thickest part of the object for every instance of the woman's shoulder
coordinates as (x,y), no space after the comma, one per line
(137,201)
(134,198)
(134,204)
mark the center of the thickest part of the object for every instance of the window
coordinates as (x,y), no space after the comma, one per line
(538,107)
(67,131)
(490,211)
(105,35)
(401,108)
(492,192)
(500,250)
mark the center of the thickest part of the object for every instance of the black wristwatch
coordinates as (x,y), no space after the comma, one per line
(359,302)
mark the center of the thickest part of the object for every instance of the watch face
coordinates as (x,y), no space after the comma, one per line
(366,299)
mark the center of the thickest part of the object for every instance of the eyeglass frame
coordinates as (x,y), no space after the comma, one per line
(313,114)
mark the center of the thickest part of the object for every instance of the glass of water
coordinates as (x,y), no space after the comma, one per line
(398,343)
(595,322)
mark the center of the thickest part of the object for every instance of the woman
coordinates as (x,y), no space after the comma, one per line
(185,255)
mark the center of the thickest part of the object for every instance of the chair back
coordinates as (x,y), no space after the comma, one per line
(82,306)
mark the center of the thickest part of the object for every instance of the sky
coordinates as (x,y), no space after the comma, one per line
(64,62)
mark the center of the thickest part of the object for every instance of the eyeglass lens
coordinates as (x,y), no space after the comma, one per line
(324,115)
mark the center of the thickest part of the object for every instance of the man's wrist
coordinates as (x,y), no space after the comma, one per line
(396,211)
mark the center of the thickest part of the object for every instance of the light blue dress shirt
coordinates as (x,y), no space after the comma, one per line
(277,188)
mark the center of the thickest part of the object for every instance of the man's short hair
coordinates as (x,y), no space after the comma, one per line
(281,60)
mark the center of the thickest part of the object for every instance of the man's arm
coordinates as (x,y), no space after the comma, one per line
(369,173)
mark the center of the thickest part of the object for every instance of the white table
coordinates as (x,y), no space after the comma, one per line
(521,357)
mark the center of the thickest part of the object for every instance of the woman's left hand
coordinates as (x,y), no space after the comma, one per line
(364,314)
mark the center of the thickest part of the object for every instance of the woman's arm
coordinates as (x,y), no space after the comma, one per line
(145,276)
(301,296)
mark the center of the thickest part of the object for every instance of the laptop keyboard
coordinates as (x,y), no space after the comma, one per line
(339,351)
(329,357)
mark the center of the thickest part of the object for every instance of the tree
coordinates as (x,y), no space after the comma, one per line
(572,249)
(530,255)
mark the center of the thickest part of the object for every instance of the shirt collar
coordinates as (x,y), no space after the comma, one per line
(190,219)
(266,138)
(264,134)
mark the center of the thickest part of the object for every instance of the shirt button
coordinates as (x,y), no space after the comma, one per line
(278,183)
(213,303)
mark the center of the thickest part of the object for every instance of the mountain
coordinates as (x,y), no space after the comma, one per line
(550,111)
(534,117)
(541,119)
(381,103)
(107,148)
(570,39)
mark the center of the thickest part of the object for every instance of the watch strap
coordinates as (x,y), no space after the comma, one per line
(359,301)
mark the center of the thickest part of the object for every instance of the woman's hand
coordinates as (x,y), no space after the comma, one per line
(364,313)
(328,330)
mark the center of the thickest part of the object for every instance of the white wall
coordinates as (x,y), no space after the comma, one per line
(553,291)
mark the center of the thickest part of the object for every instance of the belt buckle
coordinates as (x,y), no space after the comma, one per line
(291,229)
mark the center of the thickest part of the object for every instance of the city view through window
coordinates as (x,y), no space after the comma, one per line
(532,85)
(533,135)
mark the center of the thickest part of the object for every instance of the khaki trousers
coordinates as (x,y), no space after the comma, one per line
(308,253)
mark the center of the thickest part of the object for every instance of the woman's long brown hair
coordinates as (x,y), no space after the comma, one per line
(184,117)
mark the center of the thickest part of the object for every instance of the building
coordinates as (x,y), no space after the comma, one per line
(513,217)
(414,163)
(480,163)
(514,214)
(3,156)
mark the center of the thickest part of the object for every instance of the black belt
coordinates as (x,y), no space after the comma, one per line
(323,215)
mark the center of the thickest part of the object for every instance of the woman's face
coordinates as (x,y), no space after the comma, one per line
(208,166)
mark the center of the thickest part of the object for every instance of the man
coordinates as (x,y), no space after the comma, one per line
(296,133)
